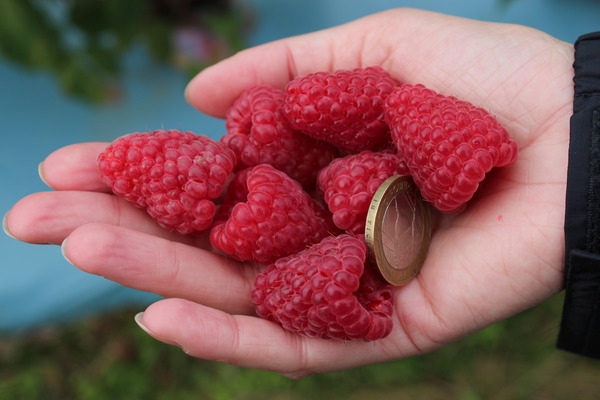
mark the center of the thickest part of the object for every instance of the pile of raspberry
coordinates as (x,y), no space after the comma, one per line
(289,185)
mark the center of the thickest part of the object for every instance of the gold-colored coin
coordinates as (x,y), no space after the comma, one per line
(398,230)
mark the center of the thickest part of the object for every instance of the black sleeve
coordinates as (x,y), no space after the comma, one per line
(580,325)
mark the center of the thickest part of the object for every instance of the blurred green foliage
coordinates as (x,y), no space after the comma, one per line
(83,42)
(109,357)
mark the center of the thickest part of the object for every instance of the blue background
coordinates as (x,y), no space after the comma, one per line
(37,286)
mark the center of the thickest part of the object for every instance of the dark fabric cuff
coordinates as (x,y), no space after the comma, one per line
(580,325)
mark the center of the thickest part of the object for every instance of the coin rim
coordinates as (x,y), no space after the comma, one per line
(373,230)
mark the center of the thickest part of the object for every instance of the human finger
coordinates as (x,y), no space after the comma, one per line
(74,167)
(253,342)
(49,217)
(161,266)
(484,63)
(213,90)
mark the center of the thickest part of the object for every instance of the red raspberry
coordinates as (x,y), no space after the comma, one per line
(172,175)
(266,216)
(448,144)
(344,108)
(258,133)
(326,291)
(349,184)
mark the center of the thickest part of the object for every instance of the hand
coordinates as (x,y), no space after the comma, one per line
(500,256)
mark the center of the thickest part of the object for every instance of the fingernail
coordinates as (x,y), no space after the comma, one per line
(186,93)
(5,226)
(138,320)
(64,252)
(41,173)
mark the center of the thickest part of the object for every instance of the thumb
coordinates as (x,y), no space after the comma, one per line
(214,89)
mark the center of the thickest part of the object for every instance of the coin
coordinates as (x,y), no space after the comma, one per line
(398,230)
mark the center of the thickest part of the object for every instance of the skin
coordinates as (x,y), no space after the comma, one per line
(500,256)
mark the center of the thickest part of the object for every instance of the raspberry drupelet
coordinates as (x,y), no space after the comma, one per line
(326,291)
(258,133)
(172,175)
(267,215)
(349,183)
(344,108)
(448,144)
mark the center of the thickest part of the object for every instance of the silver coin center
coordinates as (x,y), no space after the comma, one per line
(402,230)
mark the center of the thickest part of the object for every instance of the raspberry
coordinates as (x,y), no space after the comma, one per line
(349,184)
(448,144)
(344,108)
(172,175)
(258,133)
(327,292)
(266,216)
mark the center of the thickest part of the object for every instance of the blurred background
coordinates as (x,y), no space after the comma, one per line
(92,70)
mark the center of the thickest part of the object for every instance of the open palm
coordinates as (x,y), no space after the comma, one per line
(500,256)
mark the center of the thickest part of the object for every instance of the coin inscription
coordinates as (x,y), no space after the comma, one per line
(398,230)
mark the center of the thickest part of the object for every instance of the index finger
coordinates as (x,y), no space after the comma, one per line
(480,62)
(74,167)
(214,89)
